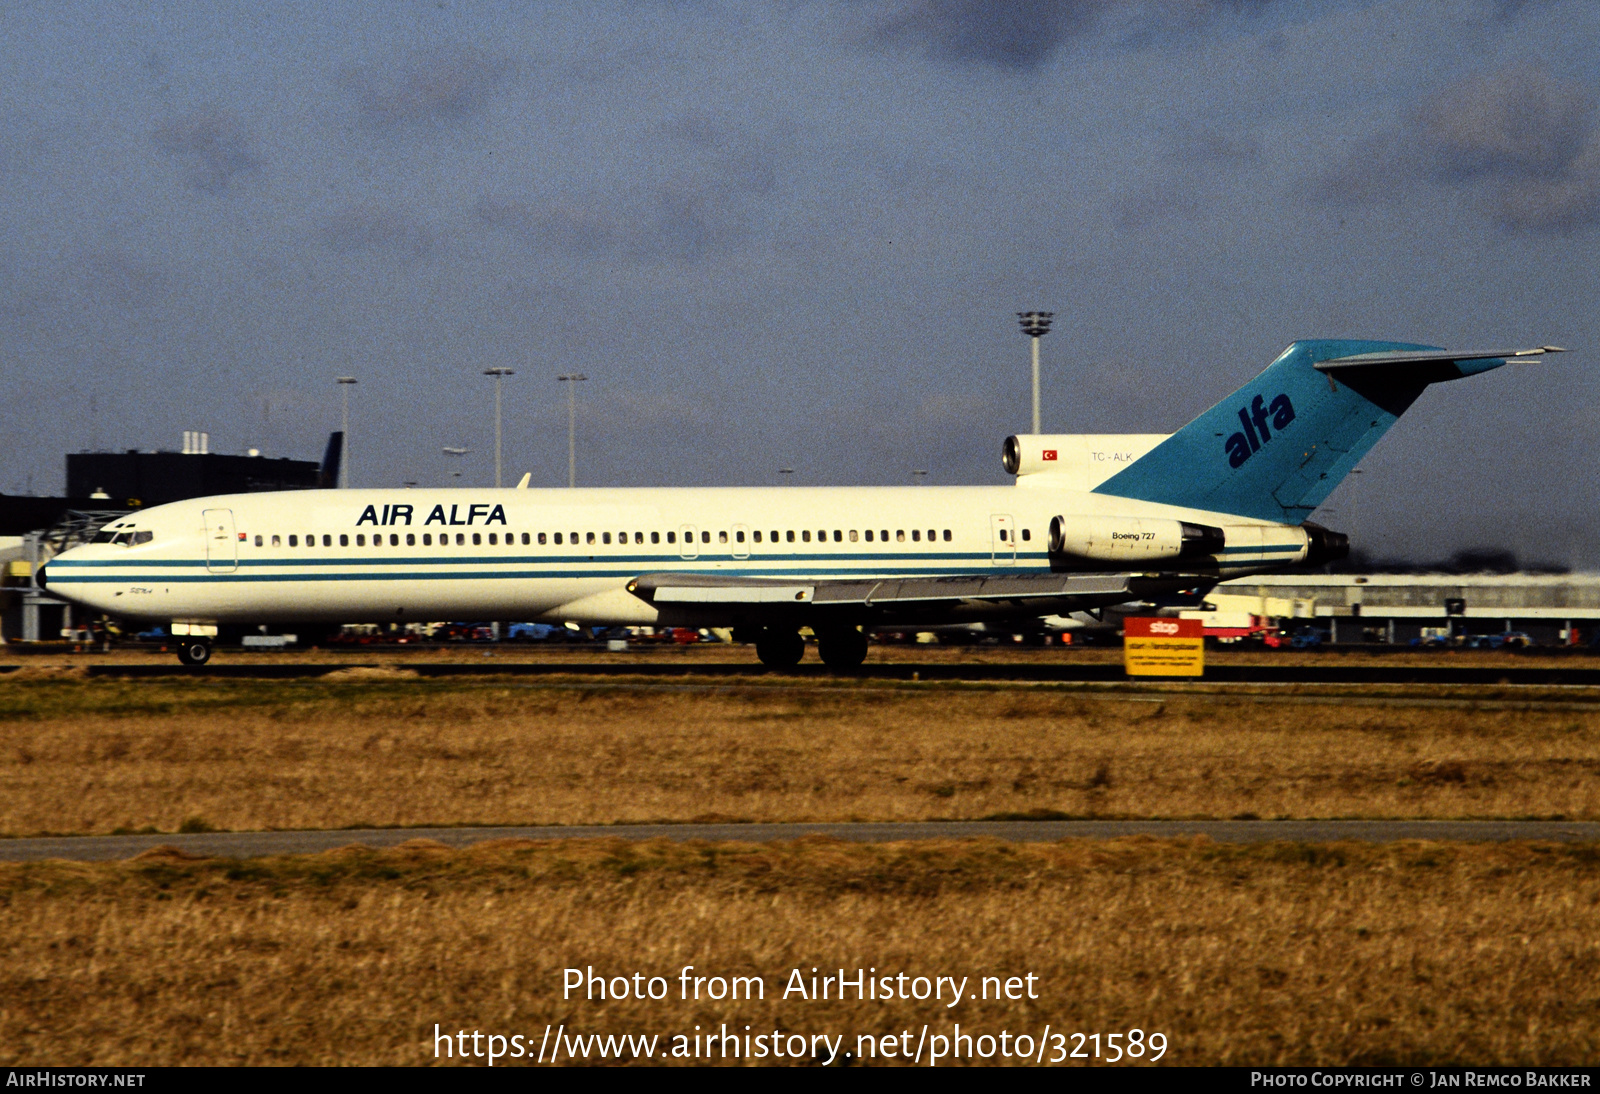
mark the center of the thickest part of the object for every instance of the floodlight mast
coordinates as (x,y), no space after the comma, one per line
(499,374)
(572,379)
(1035,324)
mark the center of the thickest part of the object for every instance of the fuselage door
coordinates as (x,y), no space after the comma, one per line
(222,544)
(741,541)
(691,545)
(1003,539)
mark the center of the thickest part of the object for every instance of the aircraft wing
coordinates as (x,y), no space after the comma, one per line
(897,598)
(1430,356)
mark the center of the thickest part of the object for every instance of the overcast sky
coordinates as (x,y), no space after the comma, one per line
(795,235)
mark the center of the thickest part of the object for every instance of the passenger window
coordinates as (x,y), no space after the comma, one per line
(931,536)
(638,537)
(344,541)
(361,541)
(1002,535)
(852,535)
(573,536)
(258,541)
(705,537)
(916,535)
(822,535)
(722,537)
(427,539)
(411,539)
(947,535)
(805,535)
(655,537)
(900,536)
(869,535)
(884,535)
(461,539)
(558,538)
(590,537)
(789,535)
(294,541)
(541,539)
(774,535)
(275,542)
(672,537)
(493,540)
(755,536)
(605,537)
(1026,535)
(477,539)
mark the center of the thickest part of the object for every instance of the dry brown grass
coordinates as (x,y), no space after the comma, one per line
(102,755)
(1276,954)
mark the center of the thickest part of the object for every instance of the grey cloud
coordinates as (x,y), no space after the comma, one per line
(213,146)
(382,231)
(561,228)
(1020,35)
(669,226)
(716,178)
(442,88)
(1519,143)
(122,280)
(1008,34)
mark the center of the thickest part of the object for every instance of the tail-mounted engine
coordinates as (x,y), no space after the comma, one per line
(1132,539)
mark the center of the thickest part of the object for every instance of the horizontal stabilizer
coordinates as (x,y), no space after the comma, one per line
(1430,356)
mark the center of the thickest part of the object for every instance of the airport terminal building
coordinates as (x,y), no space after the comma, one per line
(1552,609)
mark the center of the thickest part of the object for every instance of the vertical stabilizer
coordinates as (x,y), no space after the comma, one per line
(1276,448)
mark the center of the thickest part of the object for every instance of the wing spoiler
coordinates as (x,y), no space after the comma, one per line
(1430,356)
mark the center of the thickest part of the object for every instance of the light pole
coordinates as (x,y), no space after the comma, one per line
(345,383)
(499,375)
(571,380)
(1035,324)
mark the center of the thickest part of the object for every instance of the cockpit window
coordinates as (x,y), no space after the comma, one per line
(102,537)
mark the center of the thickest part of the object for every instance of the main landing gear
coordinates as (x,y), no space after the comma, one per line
(842,648)
(779,648)
(194,652)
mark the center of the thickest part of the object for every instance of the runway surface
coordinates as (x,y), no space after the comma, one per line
(1520,672)
(256,844)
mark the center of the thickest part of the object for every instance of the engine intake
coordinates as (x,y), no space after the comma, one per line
(1132,539)
(1324,545)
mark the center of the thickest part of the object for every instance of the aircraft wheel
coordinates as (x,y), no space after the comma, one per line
(780,649)
(842,650)
(194,651)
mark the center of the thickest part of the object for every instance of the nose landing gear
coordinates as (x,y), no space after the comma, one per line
(194,652)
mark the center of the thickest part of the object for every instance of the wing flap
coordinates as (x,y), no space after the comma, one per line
(710,590)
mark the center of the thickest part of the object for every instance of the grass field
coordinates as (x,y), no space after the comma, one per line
(1287,954)
(374,748)
(1275,954)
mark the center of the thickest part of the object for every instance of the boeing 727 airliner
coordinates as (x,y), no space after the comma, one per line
(1092,521)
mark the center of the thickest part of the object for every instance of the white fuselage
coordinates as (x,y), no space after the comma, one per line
(345,556)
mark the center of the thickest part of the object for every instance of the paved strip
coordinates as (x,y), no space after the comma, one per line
(1521,672)
(257,844)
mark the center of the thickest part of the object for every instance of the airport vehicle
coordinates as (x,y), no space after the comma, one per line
(1091,521)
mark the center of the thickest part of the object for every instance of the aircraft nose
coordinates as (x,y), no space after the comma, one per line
(39,578)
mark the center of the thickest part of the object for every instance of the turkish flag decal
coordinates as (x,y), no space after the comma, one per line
(1049,453)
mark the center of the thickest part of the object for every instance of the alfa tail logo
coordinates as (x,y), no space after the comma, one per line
(1241,446)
